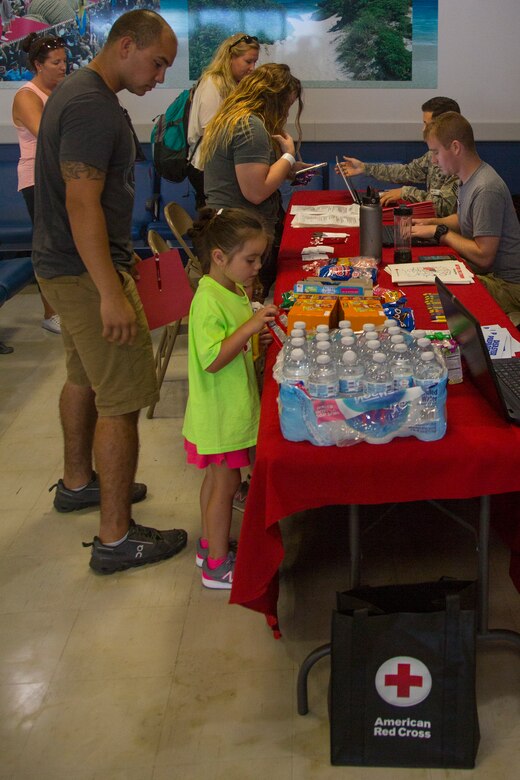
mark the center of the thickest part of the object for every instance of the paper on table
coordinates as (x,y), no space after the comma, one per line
(325,216)
(451,272)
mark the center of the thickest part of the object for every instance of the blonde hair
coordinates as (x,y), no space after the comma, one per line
(266,93)
(219,68)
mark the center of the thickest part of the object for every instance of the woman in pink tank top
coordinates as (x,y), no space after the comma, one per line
(47,58)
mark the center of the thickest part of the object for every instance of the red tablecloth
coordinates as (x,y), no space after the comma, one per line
(479,455)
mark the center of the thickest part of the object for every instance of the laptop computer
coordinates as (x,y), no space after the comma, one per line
(498,380)
(356,197)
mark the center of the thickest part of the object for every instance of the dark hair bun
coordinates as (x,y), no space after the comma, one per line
(206,214)
(28,42)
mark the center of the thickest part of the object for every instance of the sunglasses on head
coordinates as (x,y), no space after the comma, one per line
(244,39)
(54,43)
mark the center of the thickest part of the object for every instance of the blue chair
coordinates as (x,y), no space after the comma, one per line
(15,223)
(181,193)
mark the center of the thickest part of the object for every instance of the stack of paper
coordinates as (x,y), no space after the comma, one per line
(449,271)
(325,216)
(499,341)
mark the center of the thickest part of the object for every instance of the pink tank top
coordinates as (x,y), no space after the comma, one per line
(27,143)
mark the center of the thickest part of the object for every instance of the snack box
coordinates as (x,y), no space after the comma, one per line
(313,310)
(361,310)
(318,286)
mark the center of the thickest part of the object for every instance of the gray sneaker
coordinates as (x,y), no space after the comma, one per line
(220,578)
(143,545)
(67,500)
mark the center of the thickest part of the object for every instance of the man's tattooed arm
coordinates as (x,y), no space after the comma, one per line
(79,170)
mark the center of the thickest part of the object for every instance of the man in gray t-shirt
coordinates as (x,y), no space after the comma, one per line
(485,230)
(82,257)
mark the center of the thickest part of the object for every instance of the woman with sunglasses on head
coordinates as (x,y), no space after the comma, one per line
(48,60)
(235,58)
(247,153)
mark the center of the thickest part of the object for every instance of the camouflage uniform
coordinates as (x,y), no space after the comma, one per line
(440,189)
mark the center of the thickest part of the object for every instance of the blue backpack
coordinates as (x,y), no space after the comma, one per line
(169,139)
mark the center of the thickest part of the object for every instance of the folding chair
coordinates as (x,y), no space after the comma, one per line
(170,331)
(179,222)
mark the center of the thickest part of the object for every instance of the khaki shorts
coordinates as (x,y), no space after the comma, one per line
(123,377)
(506,294)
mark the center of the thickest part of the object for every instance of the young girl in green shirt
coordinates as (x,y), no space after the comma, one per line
(221,422)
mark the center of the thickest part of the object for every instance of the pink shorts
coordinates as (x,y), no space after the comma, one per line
(236,459)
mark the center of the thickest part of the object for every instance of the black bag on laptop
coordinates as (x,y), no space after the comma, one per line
(403,676)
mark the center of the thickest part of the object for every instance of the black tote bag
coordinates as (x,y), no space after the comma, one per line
(403,676)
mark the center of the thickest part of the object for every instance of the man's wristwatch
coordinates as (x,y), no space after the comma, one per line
(440,231)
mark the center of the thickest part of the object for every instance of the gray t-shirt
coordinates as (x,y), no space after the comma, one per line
(220,181)
(82,122)
(485,208)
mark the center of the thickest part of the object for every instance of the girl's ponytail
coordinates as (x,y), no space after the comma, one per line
(225,229)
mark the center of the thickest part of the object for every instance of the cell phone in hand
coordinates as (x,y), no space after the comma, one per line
(305,175)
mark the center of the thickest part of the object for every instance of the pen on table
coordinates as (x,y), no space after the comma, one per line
(158,270)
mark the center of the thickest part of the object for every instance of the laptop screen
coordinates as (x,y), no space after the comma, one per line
(356,198)
(465,329)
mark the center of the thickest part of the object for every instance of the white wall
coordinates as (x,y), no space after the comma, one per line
(479,65)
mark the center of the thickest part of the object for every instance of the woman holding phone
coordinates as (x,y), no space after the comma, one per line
(247,152)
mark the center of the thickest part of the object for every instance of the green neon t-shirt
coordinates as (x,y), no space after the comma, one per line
(223,408)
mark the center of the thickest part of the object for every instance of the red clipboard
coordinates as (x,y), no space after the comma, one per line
(164,289)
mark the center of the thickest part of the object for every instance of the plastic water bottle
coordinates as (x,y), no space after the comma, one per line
(322,329)
(371,345)
(347,344)
(402,367)
(300,343)
(296,367)
(301,325)
(378,376)
(293,343)
(297,333)
(343,330)
(419,347)
(323,348)
(351,375)
(323,379)
(428,371)
(319,338)
(384,335)
(397,339)
(431,377)
(344,324)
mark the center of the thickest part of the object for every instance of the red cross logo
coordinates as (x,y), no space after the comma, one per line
(404,680)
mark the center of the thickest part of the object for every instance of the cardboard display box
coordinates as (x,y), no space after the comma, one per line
(313,310)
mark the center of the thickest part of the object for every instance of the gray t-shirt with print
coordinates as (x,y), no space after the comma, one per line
(485,208)
(82,122)
(220,181)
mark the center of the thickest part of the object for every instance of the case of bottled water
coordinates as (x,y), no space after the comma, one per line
(337,389)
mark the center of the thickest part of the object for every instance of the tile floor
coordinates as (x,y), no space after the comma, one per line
(146,675)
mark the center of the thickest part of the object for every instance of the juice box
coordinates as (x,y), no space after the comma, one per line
(313,310)
(361,310)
